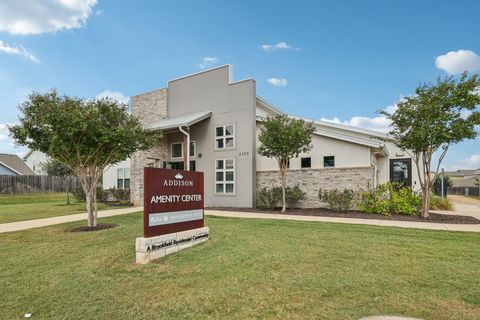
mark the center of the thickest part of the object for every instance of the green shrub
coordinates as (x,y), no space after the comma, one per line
(269,198)
(293,196)
(390,198)
(337,200)
(120,195)
(79,194)
(439,203)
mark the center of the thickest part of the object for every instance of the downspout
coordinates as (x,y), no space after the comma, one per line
(374,165)
(187,168)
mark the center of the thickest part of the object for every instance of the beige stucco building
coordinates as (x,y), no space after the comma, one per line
(210,123)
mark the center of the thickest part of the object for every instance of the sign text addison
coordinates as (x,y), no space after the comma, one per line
(173,201)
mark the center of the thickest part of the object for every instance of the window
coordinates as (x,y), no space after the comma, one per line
(192,149)
(177,150)
(306,162)
(123,178)
(225,137)
(401,171)
(329,161)
(225,176)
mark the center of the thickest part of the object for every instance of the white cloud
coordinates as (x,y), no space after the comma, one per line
(120,97)
(34,17)
(207,62)
(18,50)
(379,123)
(455,62)
(472,162)
(279,46)
(278,82)
(3,137)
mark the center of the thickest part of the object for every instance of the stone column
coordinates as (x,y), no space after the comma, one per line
(149,108)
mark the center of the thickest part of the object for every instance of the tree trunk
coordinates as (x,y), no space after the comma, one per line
(426,202)
(284,200)
(88,185)
(67,189)
(92,217)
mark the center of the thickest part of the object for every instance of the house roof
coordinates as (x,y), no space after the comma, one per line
(14,163)
(462,173)
(186,120)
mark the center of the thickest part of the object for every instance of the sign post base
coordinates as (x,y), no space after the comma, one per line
(148,249)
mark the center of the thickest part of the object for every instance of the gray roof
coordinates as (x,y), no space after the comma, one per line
(462,173)
(184,120)
(13,162)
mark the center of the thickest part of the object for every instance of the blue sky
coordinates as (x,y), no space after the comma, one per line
(337,60)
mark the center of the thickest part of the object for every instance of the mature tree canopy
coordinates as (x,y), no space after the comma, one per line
(284,138)
(84,135)
(433,119)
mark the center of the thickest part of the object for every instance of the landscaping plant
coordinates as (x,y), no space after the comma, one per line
(294,196)
(391,198)
(336,200)
(86,135)
(269,199)
(434,118)
(439,203)
(284,138)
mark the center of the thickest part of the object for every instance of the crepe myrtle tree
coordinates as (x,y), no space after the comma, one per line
(84,135)
(284,138)
(439,115)
(55,168)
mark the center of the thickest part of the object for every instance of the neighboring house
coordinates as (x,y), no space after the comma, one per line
(464,182)
(211,123)
(117,176)
(35,160)
(12,165)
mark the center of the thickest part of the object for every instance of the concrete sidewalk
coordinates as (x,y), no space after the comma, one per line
(30,224)
(37,223)
(373,222)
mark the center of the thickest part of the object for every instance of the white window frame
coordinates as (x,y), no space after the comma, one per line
(123,178)
(334,160)
(171,150)
(224,181)
(194,149)
(224,137)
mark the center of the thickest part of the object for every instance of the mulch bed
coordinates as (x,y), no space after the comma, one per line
(100,226)
(322,212)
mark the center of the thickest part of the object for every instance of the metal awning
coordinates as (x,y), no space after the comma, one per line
(186,120)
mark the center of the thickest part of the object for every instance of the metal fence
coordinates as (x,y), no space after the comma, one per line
(465,191)
(36,184)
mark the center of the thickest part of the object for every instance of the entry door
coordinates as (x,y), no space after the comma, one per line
(401,171)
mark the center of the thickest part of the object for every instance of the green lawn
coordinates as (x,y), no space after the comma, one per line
(249,269)
(35,206)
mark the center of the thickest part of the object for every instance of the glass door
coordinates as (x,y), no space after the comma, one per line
(401,171)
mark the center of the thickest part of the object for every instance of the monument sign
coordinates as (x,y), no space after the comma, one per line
(173,213)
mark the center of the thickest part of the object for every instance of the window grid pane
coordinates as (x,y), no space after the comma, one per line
(225,137)
(225,176)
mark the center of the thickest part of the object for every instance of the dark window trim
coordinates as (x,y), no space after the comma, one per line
(409,166)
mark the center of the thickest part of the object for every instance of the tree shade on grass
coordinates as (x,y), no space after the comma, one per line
(248,269)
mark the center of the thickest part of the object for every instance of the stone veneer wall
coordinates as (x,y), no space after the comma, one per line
(149,108)
(312,180)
